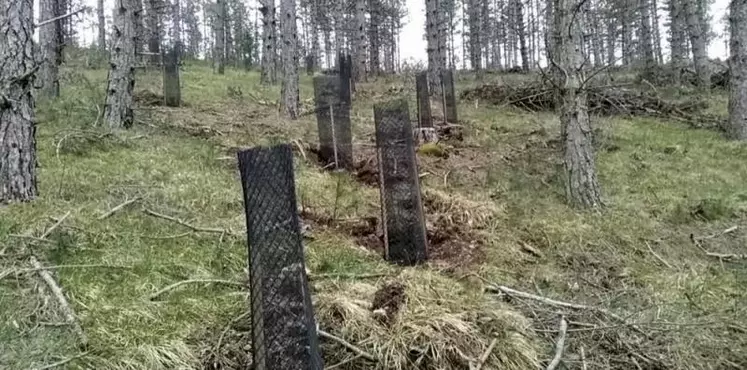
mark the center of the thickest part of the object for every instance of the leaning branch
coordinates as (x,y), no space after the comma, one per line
(117,208)
(55,226)
(559,345)
(55,19)
(346,344)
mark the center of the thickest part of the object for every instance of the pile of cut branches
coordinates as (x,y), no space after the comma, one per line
(603,100)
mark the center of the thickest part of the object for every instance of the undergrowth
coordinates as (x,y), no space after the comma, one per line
(671,192)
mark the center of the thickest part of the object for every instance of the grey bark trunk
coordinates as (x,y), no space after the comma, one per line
(289,90)
(17,117)
(373,35)
(359,41)
(50,40)
(269,73)
(678,41)
(698,43)
(475,46)
(118,107)
(737,123)
(219,28)
(521,32)
(153,26)
(101,25)
(647,52)
(627,32)
(657,35)
(580,180)
(611,41)
(434,61)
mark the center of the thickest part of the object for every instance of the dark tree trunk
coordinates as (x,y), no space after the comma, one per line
(153,27)
(118,108)
(580,180)
(269,73)
(17,126)
(219,27)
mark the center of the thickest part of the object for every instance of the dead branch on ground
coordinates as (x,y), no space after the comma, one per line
(119,207)
(486,354)
(559,345)
(62,362)
(346,344)
(193,281)
(190,226)
(60,296)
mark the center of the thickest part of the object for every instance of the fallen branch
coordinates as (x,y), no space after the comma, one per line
(55,226)
(31,238)
(486,354)
(552,302)
(117,208)
(193,281)
(658,257)
(58,267)
(60,296)
(62,362)
(340,364)
(347,276)
(716,235)
(346,344)
(559,345)
(727,256)
(190,226)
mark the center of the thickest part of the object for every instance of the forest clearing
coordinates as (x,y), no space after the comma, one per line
(176,194)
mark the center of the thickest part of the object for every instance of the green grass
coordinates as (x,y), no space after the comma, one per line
(661,182)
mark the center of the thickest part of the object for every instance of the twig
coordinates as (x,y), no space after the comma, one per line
(347,276)
(228,327)
(62,362)
(48,268)
(193,281)
(723,256)
(658,257)
(55,226)
(552,302)
(48,21)
(486,354)
(192,227)
(117,208)
(716,235)
(583,359)
(60,296)
(300,148)
(30,238)
(346,344)
(559,345)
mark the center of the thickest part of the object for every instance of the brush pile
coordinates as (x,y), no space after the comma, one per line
(603,101)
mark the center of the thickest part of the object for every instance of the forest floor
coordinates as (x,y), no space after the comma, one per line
(653,296)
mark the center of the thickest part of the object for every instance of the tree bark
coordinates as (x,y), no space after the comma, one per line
(17,117)
(359,41)
(101,25)
(699,44)
(434,56)
(269,73)
(475,46)
(657,35)
(373,36)
(647,52)
(118,108)
(581,185)
(737,124)
(289,89)
(50,42)
(677,40)
(219,28)
(521,32)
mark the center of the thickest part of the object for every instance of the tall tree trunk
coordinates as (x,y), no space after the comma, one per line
(657,34)
(698,43)
(373,35)
(229,37)
(269,74)
(17,127)
(118,107)
(647,52)
(521,32)
(627,32)
(596,35)
(737,123)
(359,41)
(475,45)
(338,14)
(611,40)
(443,51)
(581,185)
(289,90)
(138,9)
(50,40)
(101,25)
(434,66)
(219,28)
(153,27)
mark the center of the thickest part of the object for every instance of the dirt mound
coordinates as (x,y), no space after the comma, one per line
(387,302)
(604,100)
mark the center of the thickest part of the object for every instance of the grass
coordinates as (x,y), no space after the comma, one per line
(662,183)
